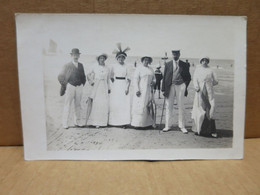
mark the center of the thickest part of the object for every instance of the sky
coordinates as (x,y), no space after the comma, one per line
(153,35)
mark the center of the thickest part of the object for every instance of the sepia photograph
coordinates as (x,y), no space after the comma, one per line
(132,87)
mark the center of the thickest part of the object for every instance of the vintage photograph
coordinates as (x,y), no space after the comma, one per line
(136,82)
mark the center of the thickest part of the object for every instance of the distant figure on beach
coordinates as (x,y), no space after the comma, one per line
(144,80)
(204,101)
(158,77)
(72,79)
(175,83)
(120,108)
(99,78)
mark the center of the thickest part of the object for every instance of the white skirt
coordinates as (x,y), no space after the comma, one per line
(120,108)
(99,111)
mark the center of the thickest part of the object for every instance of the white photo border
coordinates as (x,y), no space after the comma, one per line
(31,86)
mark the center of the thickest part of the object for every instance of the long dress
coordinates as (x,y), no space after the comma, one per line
(203,112)
(99,94)
(120,108)
(143,77)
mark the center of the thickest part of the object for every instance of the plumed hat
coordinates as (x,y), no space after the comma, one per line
(119,51)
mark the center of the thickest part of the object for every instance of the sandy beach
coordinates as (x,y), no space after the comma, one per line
(117,138)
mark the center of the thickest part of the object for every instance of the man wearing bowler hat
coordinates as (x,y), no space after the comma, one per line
(175,82)
(72,79)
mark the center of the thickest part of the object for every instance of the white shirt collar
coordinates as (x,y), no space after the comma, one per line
(176,64)
(75,63)
(177,61)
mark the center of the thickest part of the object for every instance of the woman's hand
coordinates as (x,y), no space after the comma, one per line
(138,93)
(89,99)
(126,91)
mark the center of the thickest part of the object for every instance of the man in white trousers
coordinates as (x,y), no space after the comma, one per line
(72,79)
(175,83)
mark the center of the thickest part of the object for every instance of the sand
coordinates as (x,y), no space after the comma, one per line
(109,138)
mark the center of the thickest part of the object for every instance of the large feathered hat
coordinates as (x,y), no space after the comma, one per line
(119,51)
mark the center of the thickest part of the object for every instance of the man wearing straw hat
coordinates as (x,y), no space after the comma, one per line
(175,82)
(72,78)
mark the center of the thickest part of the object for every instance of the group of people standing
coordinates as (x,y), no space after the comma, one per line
(110,99)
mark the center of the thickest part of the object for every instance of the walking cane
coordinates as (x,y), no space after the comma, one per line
(162,111)
(164,58)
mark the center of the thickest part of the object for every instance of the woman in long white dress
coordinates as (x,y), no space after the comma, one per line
(99,79)
(203,112)
(144,80)
(120,108)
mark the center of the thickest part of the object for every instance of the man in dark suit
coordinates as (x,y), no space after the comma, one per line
(72,79)
(175,83)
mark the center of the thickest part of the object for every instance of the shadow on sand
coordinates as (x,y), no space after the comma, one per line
(221,132)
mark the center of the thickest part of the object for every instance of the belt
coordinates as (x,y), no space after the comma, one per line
(120,78)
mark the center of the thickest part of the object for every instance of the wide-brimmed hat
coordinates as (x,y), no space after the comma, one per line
(103,54)
(176,51)
(205,58)
(75,51)
(149,58)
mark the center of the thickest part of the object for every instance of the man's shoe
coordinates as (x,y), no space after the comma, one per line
(166,129)
(184,130)
(214,135)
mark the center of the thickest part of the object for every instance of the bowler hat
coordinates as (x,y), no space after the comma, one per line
(205,58)
(149,58)
(75,51)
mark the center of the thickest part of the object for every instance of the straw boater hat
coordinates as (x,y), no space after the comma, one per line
(205,58)
(176,51)
(149,58)
(75,51)
(103,54)
(119,52)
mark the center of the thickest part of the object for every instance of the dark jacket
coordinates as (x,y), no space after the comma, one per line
(184,70)
(72,75)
